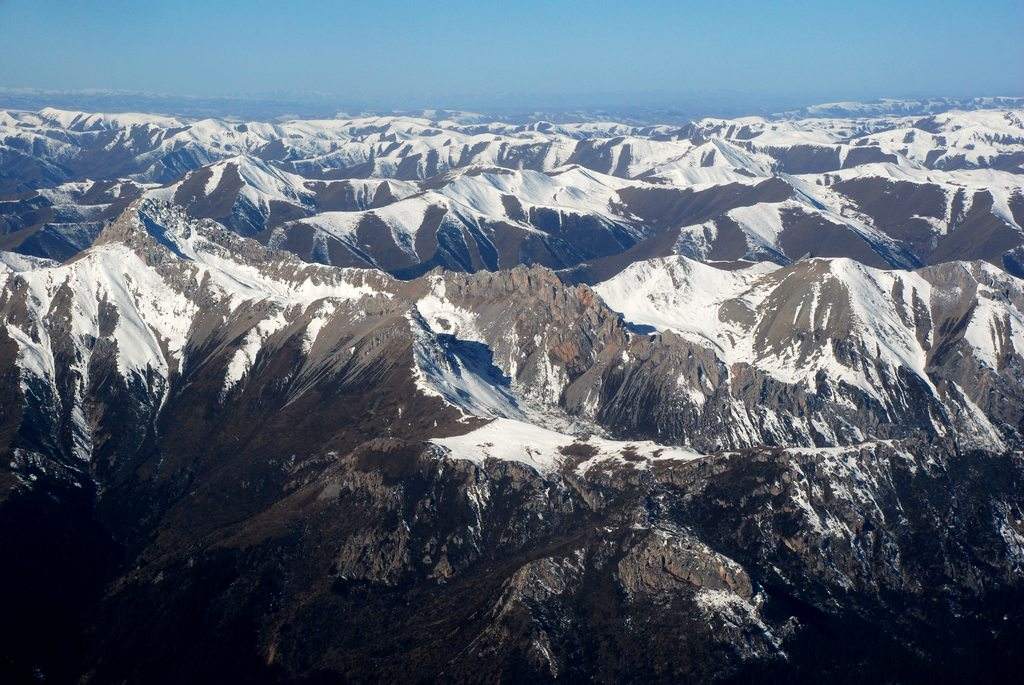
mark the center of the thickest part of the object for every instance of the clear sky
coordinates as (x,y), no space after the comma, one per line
(573,53)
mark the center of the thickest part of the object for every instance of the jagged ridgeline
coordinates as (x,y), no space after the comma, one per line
(394,399)
(406,194)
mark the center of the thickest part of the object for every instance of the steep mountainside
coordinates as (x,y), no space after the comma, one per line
(224,462)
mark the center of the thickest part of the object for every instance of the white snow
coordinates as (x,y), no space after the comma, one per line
(216,173)
(443,316)
(457,376)
(245,356)
(511,440)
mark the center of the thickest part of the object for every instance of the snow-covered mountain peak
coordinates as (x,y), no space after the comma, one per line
(86,121)
(165,236)
(855,324)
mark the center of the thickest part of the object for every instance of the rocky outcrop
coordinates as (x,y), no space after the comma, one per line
(394,561)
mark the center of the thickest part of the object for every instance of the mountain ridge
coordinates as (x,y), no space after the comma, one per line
(899,191)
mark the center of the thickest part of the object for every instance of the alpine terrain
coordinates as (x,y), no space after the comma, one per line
(438,398)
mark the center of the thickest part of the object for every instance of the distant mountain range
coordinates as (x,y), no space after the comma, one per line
(638,109)
(407,194)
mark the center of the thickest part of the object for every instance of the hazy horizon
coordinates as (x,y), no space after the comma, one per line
(271,106)
(394,55)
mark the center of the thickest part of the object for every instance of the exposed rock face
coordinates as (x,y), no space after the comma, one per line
(390,563)
(920,339)
(222,462)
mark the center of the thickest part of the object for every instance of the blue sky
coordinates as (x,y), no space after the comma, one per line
(452,54)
